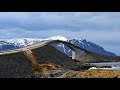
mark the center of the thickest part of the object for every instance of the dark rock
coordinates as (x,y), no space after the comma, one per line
(104,66)
(15,66)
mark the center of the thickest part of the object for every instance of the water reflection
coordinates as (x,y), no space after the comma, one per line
(115,65)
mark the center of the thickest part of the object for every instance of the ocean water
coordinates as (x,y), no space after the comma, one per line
(115,65)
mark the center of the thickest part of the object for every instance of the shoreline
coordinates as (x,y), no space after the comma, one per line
(53,71)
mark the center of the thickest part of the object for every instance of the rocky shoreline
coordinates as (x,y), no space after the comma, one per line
(54,71)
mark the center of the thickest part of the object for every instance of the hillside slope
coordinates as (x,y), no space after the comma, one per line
(49,54)
(91,57)
(17,65)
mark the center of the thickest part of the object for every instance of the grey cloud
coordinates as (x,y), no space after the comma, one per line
(56,20)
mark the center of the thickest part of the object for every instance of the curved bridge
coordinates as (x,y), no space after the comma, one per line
(29,54)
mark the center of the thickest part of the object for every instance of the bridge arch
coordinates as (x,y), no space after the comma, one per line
(71,46)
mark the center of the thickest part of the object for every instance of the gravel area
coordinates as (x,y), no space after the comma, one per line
(15,66)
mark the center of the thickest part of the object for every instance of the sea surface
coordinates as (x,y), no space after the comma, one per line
(115,65)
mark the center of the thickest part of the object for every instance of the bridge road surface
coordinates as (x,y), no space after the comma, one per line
(37,45)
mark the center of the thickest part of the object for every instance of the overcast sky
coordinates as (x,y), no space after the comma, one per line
(102,28)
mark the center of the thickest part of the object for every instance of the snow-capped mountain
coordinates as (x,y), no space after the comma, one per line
(7,44)
(84,44)
(57,38)
(91,47)
(23,41)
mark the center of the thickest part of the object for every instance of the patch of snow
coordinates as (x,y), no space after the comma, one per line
(64,48)
(81,42)
(21,41)
(69,50)
(57,38)
(88,44)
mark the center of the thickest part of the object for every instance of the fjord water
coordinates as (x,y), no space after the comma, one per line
(115,65)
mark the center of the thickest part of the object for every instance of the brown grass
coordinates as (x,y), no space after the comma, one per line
(100,74)
(29,54)
(92,74)
(45,68)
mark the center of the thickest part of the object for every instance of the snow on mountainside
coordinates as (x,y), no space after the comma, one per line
(23,41)
(91,46)
(7,44)
(57,38)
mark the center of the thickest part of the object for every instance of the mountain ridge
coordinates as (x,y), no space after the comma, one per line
(7,44)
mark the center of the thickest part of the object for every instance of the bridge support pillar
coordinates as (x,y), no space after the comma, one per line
(73,54)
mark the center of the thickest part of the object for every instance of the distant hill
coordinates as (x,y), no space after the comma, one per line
(91,57)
